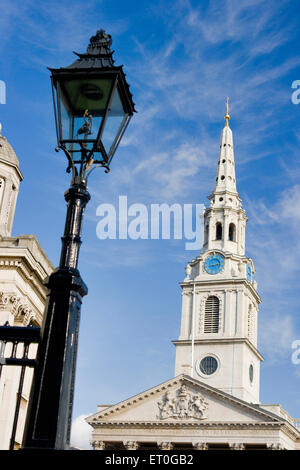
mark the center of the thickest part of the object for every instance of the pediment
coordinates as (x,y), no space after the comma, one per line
(183,400)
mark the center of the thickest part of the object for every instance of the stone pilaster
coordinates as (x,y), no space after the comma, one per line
(225,230)
(239,312)
(237,446)
(99,445)
(165,445)
(274,446)
(200,445)
(131,445)
(186,313)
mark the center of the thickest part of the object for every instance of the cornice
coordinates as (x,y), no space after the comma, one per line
(26,243)
(225,426)
(22,260)
(220,192)
(210,340)
(14,165)
(216,282)
(11,255)
(180,379)
(226,254)
(228,209)
(232,425)
(290,430)
(23,268)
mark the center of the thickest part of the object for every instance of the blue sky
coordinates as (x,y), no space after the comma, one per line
(181,59)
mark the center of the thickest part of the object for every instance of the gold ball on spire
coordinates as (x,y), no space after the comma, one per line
(227,116)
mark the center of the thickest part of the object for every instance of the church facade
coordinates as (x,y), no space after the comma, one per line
(23,268)
(213,400)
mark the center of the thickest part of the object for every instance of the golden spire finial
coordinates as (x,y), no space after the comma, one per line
(227,117)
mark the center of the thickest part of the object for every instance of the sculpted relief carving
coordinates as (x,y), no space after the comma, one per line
(182,405)
(17,306)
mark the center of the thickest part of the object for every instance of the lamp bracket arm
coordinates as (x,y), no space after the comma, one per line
(107,169)
(71,165)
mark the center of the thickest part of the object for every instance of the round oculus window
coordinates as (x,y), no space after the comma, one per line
(208,365)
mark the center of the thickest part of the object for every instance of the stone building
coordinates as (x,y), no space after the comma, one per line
(213,401)
(23,268)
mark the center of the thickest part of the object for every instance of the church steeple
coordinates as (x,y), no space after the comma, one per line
(218,337)
(225,220)
(225,175)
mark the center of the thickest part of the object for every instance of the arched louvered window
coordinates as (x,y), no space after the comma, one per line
(211,316)
(231,233)
(218,231)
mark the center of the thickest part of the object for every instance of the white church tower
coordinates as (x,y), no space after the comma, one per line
(218,338)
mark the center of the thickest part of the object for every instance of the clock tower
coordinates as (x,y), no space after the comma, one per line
(218,338)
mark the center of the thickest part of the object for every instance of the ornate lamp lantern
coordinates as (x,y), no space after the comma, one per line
(93,106)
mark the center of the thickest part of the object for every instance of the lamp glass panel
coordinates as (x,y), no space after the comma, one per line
(65,117)
(79,99)
(91,94)
(113,122)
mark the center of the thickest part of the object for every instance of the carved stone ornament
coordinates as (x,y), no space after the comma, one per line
(237,446)
(182,405)
(165,445)
(99,445)
(3,300)
(200,446)
(188,271)
(131,445)
(275,446)
(17,306)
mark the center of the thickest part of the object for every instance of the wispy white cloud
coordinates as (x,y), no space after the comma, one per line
(276,335)
(81,433)
(275,231)
(50,27)
(272,239)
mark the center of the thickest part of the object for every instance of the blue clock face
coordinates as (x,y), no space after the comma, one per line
(214,264)
(249,273)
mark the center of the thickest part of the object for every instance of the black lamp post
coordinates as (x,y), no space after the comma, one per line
(93,106)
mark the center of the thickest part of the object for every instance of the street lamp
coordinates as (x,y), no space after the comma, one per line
(92,106)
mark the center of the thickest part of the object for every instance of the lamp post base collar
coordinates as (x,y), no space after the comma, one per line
(66,278)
